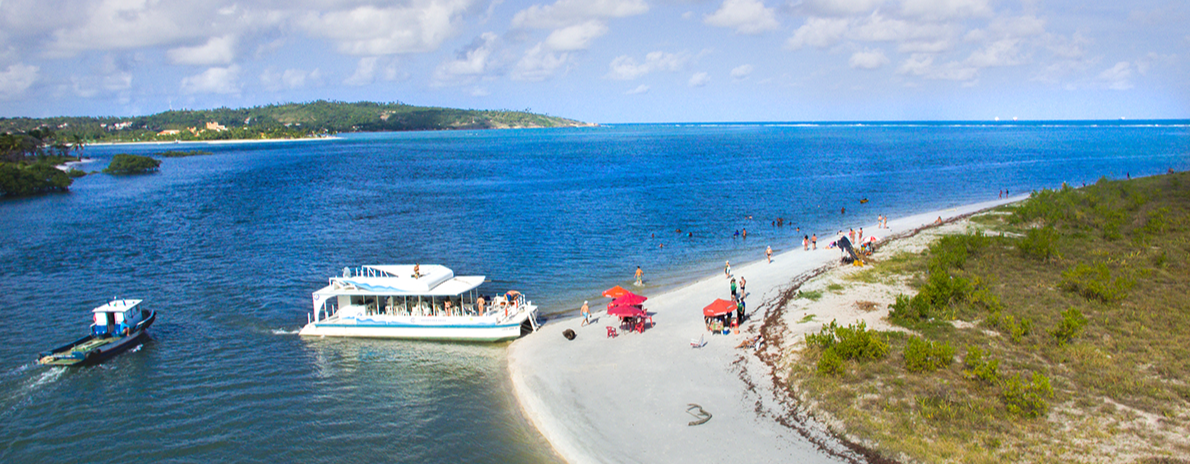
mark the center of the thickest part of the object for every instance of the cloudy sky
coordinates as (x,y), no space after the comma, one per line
(607,61)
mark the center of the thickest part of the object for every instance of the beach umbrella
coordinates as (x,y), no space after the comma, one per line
(625,311)
(719,307)
(630,299)
(872,239)
(615,292)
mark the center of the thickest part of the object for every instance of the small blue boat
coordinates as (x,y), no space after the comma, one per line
(118,325)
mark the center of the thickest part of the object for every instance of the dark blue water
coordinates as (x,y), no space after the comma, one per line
(229,246)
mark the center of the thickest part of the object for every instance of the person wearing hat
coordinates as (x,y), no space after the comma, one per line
(586,312)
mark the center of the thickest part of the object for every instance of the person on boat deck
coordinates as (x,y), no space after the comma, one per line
(448,311)
(416,271)
(479,304)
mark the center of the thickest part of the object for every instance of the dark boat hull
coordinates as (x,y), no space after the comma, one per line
(70,354)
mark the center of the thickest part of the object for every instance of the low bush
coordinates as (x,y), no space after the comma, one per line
(1096,282)
(1040,243)
(830,363)
(123,163)
(1027,399)
(977,366)
(923,355)
(852,342)
(1070,326)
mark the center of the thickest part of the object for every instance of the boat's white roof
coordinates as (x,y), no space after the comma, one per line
(121,305)
(399,280)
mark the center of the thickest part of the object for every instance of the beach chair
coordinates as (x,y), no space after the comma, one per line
(611,331)
(698,343)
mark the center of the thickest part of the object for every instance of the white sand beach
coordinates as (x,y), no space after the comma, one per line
(625,399)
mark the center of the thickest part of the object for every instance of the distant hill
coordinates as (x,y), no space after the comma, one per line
(291,120)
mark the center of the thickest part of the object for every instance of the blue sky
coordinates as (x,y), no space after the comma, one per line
(607,61)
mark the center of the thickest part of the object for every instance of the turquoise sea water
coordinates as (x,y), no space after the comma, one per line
(229,246)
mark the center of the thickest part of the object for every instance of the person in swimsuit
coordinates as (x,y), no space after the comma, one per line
(768,252)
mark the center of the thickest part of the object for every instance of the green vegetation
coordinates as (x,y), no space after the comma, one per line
(123,163)
(285,121)
(1073,321)
(19,179)
(28,160)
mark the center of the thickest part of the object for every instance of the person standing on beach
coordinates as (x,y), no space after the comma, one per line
(740,307)
(805,242)
(814,241)
(851,234)
(640,276)
(727,268)
(768,252)
(586,312)
(733,292)
(861,234)
(743,286)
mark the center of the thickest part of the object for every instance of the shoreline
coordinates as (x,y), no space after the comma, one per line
(624,399)
(227,141)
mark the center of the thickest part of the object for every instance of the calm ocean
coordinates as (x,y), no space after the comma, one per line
(229,246)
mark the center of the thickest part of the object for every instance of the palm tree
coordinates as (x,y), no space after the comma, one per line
(76,145)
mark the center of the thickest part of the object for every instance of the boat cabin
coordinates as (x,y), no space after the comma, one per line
(402,290)
(116,318)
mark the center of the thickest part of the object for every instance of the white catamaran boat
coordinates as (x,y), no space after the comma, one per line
(416,302)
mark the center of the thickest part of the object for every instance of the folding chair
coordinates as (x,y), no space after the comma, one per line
(697,343)
(611,331)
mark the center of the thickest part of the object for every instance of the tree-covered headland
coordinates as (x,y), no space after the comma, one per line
(282,121)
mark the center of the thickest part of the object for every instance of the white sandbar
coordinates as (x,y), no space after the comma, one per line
(599,399)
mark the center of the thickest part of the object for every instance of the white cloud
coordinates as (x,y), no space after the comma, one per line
(745,16)
(576,37)
(641,89)
(818,32)
(741,72)
(840,7)
(1004,52)
(945,9)
(699,79)
(421,26)
(923,66)
(16,79)
(471,63)
(365,72)
(564,13)
(868,59)
(290,79)
(540,64)
(217,51)
(214,80)
(1118,77)
(625,68)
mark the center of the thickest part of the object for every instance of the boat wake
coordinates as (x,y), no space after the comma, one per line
(136,349)
(282,332)
(23,394)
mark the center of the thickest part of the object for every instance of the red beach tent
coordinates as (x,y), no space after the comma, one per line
(630,299)
(615,292)
(625,311)
(719,307)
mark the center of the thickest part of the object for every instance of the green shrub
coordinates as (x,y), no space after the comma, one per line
(853,342)
(1040,243)
(1071,325)
(1015,328)
(17,180)
(123,163)
(980,367)
(909,309)
(830,363)
(923,355)
(857,342)
(1027,399)
(1096,282)
(812,295)
(74,173)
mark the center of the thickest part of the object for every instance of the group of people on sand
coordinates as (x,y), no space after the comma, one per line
(726,321)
